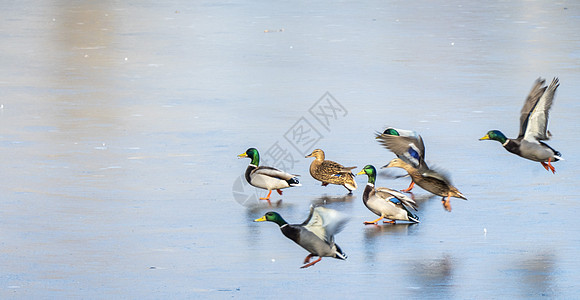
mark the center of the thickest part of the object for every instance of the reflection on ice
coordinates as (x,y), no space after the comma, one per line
(434,277)
(534,274)
(326,199)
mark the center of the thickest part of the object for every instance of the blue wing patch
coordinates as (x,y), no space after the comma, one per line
(395,200)
(413,153)
(413,156)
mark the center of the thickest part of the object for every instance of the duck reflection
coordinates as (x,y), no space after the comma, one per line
(374,231)
(435,277)
(325,199)
(536,275)
(373,241)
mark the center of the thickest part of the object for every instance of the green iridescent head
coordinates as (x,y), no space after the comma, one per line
(391,131)
(495,135)
(272,217)
(370,171)
(253,154)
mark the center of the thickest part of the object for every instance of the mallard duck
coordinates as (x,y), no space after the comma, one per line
(533,127)
(386,203)
(431,181)
(407,145)
(316,234)
(267,178)
(328,171)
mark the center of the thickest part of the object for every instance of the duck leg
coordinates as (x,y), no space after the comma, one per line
(389,222)
(545,165)
(410,187)
(550,166)
(374,222)
(312,263)
(279,192)
(267,198)
(324,183)
(445,202)
(308,257)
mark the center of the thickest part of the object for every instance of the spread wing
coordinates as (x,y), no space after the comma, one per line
(531,101)
(537,126)
(396,197)
(408,148)
(324,222)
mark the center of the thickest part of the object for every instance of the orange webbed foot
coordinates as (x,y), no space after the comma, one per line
(373,222)
(267,197)
(409,188)
(446,204)
(312,263)
(279,192)
(548,166)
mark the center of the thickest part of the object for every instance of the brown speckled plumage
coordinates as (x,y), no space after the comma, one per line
(330,172)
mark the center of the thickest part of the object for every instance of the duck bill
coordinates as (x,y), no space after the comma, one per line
(361,172)
(309,155)
(242,155)
(386,166)
(262,219)
(486,137)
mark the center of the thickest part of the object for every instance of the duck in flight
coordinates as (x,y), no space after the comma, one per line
(533,127)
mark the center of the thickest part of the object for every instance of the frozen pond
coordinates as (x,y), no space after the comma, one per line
(120,123)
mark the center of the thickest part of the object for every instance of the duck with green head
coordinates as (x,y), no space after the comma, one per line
(265,177)
(533,127)
(431,181)
(407,145)
(315,234)
(386,203)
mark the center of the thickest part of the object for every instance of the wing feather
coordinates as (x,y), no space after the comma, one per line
(538,121)
(530,103)
(387,193)
(273,172)
(324,222)
(408,148)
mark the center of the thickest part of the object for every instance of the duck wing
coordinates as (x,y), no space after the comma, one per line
(408,148)
(273,172)
(396,197)
(324,222)
(436,175)
(331,167)
(531,101)
(537,125)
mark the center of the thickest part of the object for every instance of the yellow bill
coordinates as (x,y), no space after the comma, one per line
(262,219)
